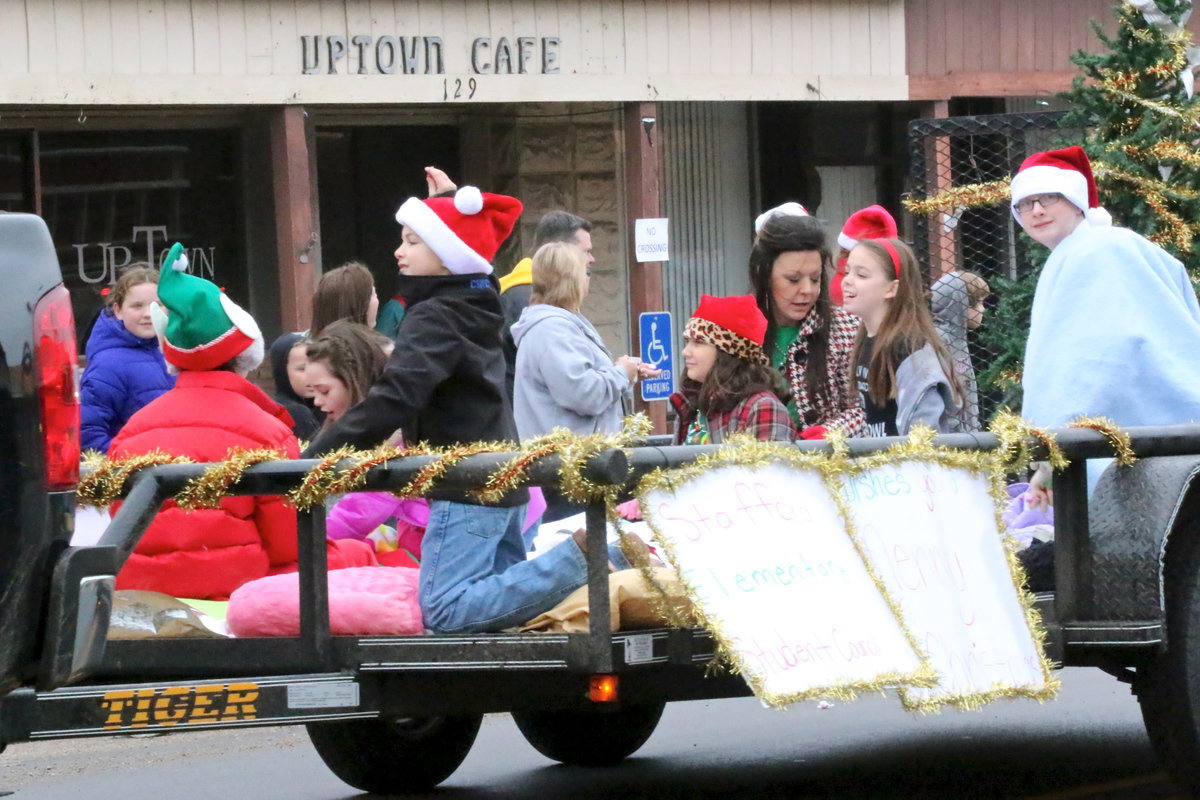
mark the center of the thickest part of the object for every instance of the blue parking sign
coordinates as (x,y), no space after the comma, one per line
(658,352)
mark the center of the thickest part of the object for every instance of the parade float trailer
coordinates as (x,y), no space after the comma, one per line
(1127,597)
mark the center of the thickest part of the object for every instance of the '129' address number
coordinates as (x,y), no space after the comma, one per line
(454,90)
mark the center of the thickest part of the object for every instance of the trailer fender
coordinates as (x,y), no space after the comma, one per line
(1132,515)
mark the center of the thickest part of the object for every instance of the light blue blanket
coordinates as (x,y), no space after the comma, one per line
(1115,332)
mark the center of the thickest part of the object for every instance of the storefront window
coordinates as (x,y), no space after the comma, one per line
(115,198)
(14,171)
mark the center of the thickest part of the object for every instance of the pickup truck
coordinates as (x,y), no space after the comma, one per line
(396,714)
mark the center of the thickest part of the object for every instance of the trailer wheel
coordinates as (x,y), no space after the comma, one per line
(394,756)
(598,737)
(1168,688)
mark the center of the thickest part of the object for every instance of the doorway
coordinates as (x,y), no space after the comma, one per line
(363,175)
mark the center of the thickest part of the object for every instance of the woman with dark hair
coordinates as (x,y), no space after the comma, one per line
(728,386)
(808,340)
(347,292)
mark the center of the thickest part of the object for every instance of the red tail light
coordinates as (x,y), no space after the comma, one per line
(55,361)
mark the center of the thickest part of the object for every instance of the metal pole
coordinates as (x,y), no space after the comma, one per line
(1072,544)
(314,587)
(599,649)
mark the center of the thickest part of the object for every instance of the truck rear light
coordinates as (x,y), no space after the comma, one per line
(55,364)
(602,689)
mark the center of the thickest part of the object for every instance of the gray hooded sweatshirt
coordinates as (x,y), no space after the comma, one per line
(565,376)
(950,301)
(924,395)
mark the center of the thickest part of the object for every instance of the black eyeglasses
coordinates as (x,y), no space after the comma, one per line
(1025,205)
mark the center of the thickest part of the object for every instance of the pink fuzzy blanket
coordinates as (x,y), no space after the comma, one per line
(363,601)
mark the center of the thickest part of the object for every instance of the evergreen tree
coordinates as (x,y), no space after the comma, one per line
(1133,111)
(1141,126)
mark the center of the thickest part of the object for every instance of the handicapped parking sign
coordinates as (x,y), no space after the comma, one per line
(655,337)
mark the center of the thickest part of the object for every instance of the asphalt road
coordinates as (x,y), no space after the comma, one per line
(1089,743)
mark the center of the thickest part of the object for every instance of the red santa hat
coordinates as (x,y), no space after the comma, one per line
(872,222)
(732,324)
(1067,172)
(466,230)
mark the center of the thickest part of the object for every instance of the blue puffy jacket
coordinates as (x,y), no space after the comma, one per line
(123,373)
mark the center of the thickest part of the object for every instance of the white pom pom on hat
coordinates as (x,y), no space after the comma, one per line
(468,200)
(788,209)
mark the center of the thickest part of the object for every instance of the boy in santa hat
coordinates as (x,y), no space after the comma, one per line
(872,222)
(444,384)
(1115,327)
(208,553)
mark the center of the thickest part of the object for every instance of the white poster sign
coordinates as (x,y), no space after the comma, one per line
(765,557)
(931,533)
(650,240)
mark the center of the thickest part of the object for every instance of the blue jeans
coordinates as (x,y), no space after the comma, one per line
(474,575)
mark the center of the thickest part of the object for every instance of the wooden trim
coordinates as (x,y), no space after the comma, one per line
(34,174)
(314,90)
(988,84)
(643,200)
(297,223)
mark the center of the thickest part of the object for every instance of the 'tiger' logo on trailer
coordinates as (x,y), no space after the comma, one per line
(179,705)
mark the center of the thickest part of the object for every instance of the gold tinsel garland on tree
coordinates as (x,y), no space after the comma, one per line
(975,195)
(1173,229)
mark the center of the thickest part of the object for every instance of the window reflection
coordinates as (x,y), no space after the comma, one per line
(113,198)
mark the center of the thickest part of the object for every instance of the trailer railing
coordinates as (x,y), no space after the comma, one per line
(315,650)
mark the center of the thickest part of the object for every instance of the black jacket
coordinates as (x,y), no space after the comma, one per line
(513,302)
(444,382)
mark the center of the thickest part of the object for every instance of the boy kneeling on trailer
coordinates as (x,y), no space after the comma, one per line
(444,384)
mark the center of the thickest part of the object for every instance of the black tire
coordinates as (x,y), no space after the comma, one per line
(1168,688)
(599,737)
(394,756)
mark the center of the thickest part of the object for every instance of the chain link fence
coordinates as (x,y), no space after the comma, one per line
(981,267)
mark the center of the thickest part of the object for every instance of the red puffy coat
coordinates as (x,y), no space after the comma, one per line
(209,553)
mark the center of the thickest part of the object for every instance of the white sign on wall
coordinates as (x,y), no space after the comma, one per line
(931,533)
(650,240)
(765,557)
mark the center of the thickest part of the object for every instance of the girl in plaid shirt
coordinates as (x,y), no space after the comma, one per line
(729,386)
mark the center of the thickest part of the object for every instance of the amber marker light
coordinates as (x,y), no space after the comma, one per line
(603,689)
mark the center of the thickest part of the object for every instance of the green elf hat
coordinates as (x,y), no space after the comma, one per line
(201,328)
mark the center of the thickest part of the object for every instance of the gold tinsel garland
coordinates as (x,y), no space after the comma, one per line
(314,488)
(993,192)
(514,471)
(207,490)
(351,478)
(102,486)
(105,478)
(1014,433)
(1167,150)
(975,195)
(1120,440)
